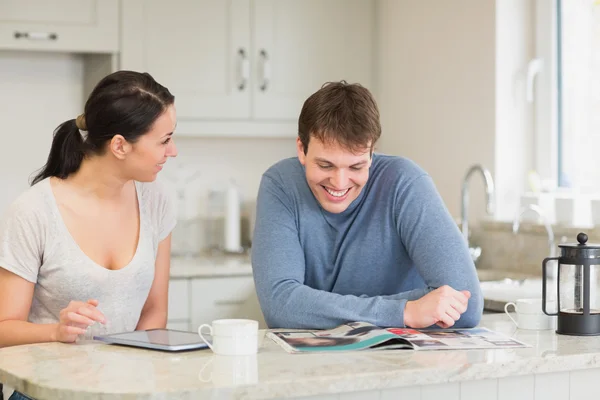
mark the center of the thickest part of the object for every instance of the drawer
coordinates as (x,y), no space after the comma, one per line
(179,325)
(179,299)
(217,298)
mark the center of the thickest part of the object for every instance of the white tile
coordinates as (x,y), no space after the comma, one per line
(368,395)
(446,391)
(322,397)
(479,389)
(516,388)
(553,386)
(409,392)
(583,384)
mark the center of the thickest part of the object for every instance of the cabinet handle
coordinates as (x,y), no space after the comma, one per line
(266,70)
(244,69)
(229,302)
(36,35)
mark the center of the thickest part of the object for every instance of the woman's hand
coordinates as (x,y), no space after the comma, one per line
(76,318)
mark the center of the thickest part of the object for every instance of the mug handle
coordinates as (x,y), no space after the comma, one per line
(201,373)
(507,313)
(202,337)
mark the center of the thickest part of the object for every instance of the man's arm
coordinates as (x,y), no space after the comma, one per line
(436,246)
(278,265)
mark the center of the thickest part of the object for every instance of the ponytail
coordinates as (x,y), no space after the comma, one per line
(66,153)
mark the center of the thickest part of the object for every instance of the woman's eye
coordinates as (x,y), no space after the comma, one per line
(167,141)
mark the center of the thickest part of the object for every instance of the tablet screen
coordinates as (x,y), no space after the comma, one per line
(166,337)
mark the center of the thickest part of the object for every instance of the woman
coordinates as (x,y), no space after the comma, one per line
(89,242)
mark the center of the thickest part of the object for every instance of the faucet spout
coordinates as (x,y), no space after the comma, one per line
(489,194)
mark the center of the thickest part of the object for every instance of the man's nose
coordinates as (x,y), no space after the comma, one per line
(340,179)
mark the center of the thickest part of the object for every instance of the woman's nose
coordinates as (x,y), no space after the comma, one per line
(172,152)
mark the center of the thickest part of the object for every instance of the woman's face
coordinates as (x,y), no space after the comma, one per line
(152,149)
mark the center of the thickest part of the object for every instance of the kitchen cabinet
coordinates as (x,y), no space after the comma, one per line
(80,26)
(245,67)
(196,301)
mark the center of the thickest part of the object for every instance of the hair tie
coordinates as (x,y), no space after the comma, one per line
(80,123)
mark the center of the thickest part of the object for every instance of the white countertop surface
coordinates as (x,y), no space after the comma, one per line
(91,370)
(210,266)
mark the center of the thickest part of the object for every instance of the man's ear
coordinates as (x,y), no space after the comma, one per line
(120,147)
(300,150)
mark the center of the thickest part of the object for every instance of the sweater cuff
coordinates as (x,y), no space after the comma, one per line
(390,313)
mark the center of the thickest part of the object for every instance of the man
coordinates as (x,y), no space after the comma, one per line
(344,234)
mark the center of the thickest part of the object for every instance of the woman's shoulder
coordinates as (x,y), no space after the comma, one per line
(157,201)
(152,192)
(34,201)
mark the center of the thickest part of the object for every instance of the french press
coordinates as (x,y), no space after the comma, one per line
(577,286)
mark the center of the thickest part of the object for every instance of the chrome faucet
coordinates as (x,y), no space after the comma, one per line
(538,210)
(490,203)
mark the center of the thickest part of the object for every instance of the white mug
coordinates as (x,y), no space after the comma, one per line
(530,314)
(232,337)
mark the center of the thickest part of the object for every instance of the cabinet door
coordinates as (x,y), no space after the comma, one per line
(87,26)
(179,300)
(217,298)
(199,49)
(299,45)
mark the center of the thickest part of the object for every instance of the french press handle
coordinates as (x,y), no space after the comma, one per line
(544,275)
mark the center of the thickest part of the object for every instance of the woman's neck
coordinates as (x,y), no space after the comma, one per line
(100,178)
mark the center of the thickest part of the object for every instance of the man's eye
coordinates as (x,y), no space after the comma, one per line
(325,166)
(356,168)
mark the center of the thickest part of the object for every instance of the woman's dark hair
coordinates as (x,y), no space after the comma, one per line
(125,103)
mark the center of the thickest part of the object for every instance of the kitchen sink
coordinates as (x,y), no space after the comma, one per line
(497,293)
(501,286)
(498,275)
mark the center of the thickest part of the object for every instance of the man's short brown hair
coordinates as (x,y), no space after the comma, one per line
(341,113)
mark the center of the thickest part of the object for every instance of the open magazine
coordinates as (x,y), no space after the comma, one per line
(365,336)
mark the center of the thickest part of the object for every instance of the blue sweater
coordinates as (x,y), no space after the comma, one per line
(396,242)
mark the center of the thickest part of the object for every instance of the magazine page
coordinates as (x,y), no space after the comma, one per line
(348,337)
(450,339)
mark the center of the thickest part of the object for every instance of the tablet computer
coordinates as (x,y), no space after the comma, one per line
(156,339)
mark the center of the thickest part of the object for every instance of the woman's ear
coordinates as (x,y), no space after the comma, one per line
(120,147)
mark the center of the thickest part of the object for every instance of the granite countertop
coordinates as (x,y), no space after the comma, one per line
(91,370)
(210,266)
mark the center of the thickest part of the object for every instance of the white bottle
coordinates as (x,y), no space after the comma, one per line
(233,234)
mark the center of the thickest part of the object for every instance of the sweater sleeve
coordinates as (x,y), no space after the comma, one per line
(279,268)
(435,244)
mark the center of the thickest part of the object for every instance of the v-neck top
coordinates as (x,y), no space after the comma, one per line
(36,245)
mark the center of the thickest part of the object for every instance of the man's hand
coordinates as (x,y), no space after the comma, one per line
(441,307)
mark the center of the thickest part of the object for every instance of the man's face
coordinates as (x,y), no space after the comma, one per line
(334,174)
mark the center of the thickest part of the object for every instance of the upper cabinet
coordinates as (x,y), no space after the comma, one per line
(245,67)
(199,49)
(81,26)
(299,45)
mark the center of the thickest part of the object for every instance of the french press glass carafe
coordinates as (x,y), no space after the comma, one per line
(578,305)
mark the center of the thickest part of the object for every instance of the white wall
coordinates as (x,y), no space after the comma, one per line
(38,91)
(436,89)
(448,85)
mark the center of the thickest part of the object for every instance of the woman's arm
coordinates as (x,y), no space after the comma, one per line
(154,313)
(16,295)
